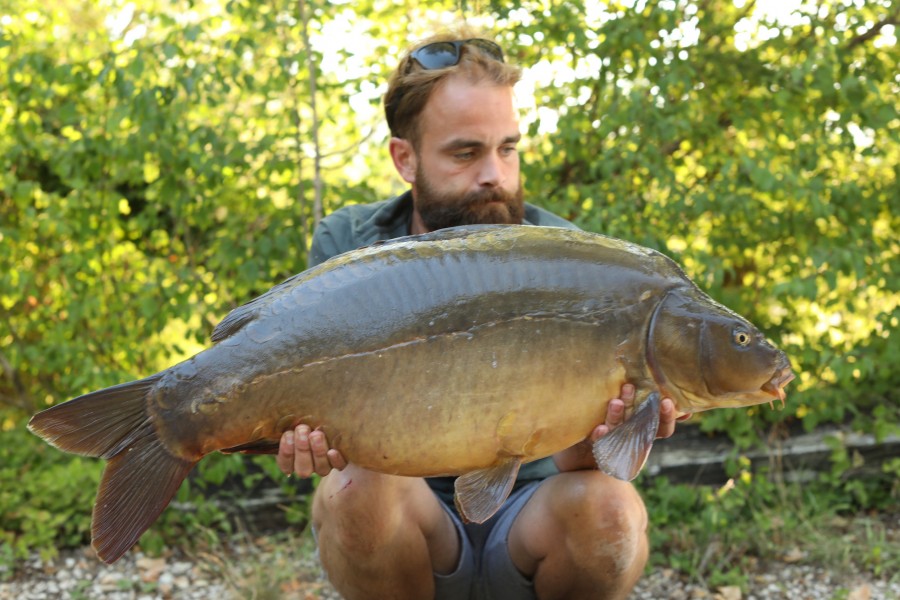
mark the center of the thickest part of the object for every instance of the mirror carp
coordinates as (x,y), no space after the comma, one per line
(468,351)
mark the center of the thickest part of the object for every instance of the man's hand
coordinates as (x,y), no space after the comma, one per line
(617,407)
(304,452)
(580,456)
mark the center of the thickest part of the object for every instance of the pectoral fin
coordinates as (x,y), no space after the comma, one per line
(623,452)
(479,494)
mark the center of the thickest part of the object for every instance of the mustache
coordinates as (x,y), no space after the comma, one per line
(483,197)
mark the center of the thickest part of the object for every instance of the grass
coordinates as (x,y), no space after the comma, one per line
(279,566)
(716,536)
(866,543)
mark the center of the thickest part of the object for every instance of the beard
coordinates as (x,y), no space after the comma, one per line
(494,206)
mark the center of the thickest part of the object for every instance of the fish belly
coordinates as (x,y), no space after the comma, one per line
(451,403)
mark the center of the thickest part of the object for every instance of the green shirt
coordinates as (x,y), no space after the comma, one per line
(359,225)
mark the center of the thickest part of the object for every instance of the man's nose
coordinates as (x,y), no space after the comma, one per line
(491,172)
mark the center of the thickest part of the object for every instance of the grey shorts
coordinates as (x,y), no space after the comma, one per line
(485,570)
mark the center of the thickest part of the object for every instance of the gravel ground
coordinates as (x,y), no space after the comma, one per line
(79,575)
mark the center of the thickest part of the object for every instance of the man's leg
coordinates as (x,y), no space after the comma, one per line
(382,536)
(582,535)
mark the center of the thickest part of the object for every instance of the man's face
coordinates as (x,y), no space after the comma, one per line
(466,169)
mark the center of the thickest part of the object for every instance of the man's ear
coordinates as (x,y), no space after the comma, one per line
(404,156)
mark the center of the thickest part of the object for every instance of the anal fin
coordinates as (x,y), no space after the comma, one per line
(622,452)
(479,494)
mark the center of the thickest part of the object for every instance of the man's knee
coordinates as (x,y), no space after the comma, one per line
(612,504)
(371,534)
(361,511)
(583,534)
(601,514)
(353,509)
(616,528)
(580,509)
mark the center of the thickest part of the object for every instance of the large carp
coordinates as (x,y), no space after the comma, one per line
(462,352)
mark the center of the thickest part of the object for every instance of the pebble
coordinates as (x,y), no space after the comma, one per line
(77,573)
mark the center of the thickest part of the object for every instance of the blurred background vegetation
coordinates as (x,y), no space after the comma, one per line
(165,161)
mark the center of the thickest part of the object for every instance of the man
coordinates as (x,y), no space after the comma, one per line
(567,530)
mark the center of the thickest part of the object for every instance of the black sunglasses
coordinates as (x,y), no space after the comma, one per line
(446,54)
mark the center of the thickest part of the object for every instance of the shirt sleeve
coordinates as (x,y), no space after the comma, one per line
(331,237)
(535,215)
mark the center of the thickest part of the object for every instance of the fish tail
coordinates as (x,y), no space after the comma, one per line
(142,475)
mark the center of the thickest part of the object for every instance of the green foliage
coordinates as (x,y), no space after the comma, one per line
(43,498)
(164,162)
(715,535)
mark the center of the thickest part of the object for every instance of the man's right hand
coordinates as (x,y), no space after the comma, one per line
(304,452)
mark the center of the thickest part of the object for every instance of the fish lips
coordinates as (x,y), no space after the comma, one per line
(775,386)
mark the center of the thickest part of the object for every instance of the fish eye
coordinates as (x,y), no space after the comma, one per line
(741,337)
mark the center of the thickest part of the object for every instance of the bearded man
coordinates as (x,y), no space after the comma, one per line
(567,530)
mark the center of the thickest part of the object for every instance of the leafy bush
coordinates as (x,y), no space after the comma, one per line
(45,496)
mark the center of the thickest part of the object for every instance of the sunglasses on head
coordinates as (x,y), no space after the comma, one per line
(446,54)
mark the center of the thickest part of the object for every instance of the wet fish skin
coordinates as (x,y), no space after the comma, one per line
(465,351)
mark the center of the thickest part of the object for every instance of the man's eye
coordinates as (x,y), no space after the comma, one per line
(464,155)
(507,150)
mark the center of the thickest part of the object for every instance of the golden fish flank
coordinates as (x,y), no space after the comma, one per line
(504,347)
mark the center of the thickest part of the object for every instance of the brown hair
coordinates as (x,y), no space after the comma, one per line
(410,86)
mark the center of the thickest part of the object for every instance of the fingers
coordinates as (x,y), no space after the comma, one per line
(615,413)
(304,452)
(336,459)
(666,419)
(285,456)
(627,395)
(619,407)
(311,452)
(599,431)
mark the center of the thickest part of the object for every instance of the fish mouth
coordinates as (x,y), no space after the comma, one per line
(775,386)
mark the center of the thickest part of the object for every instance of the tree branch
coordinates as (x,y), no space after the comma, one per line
(873,31)
(317,158)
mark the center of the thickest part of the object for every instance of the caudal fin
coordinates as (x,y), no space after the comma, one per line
(141,476)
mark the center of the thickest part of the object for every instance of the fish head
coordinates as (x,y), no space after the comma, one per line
(707,356)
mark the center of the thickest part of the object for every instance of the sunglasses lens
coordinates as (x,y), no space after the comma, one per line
(446,54)
(488,48)
(438,55)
